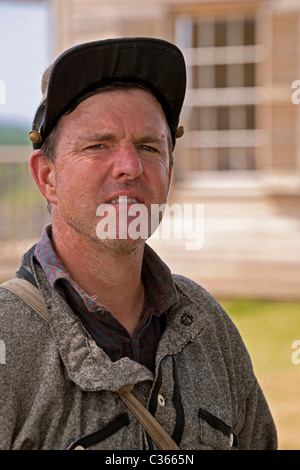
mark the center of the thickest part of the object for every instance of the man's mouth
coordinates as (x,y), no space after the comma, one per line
(124,200)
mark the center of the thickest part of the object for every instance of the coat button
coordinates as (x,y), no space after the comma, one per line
(187,319)
(231,439)
(160,400)
(79,448)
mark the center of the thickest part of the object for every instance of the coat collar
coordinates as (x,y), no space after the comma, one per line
(88,365)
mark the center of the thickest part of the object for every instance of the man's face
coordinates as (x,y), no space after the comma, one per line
(114,144)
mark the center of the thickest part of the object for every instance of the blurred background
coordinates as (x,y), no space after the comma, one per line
(239,156)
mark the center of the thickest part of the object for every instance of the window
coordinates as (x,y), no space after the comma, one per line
(220,106)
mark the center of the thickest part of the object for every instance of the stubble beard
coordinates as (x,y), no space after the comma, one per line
(86,235)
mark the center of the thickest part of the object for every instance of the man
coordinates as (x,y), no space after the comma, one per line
(103,136)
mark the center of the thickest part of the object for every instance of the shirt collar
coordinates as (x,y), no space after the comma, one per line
(158,281)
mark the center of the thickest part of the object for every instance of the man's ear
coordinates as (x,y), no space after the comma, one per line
(43,172)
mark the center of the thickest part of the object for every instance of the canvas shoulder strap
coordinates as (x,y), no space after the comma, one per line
(31,295)
(28,293)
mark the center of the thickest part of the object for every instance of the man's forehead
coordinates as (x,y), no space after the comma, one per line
(118,90)
(139,105)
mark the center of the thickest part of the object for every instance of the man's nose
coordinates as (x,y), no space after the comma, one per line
(127,163)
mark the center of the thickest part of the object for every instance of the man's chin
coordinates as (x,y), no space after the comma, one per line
(121,245)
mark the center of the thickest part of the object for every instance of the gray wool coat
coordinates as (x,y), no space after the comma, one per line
(58,388)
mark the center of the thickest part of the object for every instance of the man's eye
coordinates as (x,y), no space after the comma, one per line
(148,148)
(95,147)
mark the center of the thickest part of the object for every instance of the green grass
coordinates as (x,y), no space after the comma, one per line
(268,330)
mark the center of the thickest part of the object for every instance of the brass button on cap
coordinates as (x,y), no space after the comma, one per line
(35,137)
(179,133)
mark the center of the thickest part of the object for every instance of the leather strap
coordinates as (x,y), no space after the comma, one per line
(161,438)
(31,295)
(28,293)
